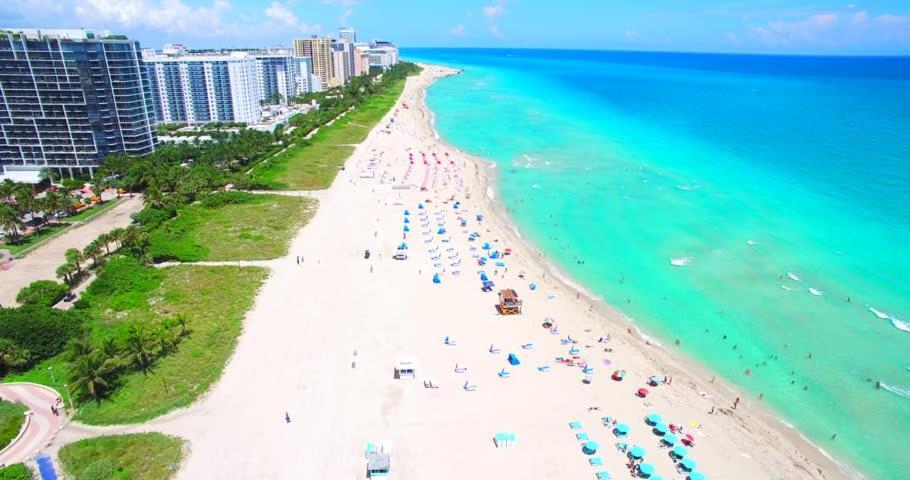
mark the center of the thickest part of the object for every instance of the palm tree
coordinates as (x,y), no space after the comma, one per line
(115,236)
(92,373)
(65,272)
(94,250)
(7,187)
(76,258)
(138,346)
(11,221)
(105,240)
(11,356)
(110,348)
(180,321)
(163,338)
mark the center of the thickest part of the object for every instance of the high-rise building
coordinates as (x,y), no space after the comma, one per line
(383,54)
(348,35)
(321,52)
(68,98)
(277,75)
(205,88)
(361,59)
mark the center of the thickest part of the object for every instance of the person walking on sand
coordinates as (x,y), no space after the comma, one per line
(735,403)
(287,418)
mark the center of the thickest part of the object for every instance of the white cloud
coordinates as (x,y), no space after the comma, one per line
(493,11)
(831,30)
(779,32)
(457,30)
(889,19)
(166,15)
(494,30)
(343,20)
(285,16)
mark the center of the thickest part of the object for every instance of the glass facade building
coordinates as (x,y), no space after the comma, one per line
(69,98)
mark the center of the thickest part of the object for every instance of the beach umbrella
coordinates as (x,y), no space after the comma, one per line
(657,477)
(590,448)
(687,464)
(420,206)
(441,231)
(486,246)
(642,392)
(483,277)
(606,361)
(696,476)
(670,439)
(679,451)
(621,429)
(646,469)
(660,429)
(618,375)
(406,213)
(406,220)
(436,278)
(637,452)
(653,418)
(406,229)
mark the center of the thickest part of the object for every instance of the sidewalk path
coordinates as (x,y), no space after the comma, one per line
(42,424)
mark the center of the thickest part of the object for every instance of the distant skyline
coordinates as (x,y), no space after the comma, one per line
(878,27)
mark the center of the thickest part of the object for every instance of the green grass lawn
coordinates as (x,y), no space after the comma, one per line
(93,210)
(214,301)
(314,166)
(144,456)
(11,418)
(259,228)
(32,239)
(16,471)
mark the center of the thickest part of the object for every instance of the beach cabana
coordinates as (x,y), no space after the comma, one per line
(402,246)
(653,418)
(509,303)
(378,464)
(589,447)
(646,470)
(407,220)
(406,212)
(637,452)
(405,367)
(483,277)
(513,359)
(687,464)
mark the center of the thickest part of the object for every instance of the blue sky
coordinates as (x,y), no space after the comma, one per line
(766,26)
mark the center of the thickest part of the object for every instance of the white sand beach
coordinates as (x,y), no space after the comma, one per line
(322,341)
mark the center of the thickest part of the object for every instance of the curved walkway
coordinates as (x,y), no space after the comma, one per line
(42,425)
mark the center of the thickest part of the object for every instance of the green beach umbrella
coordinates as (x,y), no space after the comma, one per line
(646,469)
(637,452)
(688,464)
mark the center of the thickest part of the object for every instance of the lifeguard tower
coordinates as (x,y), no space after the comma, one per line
(509,303)
(405,368)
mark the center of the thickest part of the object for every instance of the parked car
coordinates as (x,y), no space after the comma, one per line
(400,256)
(69,297)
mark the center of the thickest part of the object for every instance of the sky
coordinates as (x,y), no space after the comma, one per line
(876,27)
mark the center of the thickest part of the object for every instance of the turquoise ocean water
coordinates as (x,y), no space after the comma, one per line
(748,172)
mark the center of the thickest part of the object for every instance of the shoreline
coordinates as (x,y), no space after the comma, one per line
(681,364)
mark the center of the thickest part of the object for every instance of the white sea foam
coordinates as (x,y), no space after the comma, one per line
(897,390)
(536,185)
(786,288)
(751,243)
(880,314)
(681,261)
(792,277)
(900,324)
(815,292)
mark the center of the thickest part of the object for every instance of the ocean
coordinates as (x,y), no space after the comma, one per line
(756,208)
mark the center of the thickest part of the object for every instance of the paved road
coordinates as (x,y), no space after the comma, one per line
(42,424)
(42,263)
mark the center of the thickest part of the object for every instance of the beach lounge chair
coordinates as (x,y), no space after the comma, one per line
(450,341)
(588,370)
(603,475)
(527,346)
(460,369)
(622,447)
(575,425)
(582,437)
(503,373)
(469,386)
(494,349)
(513,359)
(543,368)
(596,462)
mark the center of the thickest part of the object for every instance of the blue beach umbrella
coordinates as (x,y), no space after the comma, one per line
(660,429)
(646,469)
(436,278)
(420,206)
(407,212)
(621,429)
(657,477)
(653,419)
(696,476)
(483,277)
(406,229)
(687,464)
(679,451)
(670,439)
(407,220)
(590,448)
(441,231)
(637,452)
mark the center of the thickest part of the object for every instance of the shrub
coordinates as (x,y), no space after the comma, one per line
(81,304)
(42,331)
(125,282)
(101,469)
(227,198)
(16,471)
(44,293)
(151,217)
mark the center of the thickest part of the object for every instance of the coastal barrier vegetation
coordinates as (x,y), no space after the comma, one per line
(142,456)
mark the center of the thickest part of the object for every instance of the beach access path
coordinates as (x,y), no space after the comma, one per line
(42,263)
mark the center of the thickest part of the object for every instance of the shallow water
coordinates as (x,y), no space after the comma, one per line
(756,208)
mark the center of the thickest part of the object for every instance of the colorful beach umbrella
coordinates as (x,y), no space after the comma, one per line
(407,220)
(653,418)
(687,464)
(696,476)
(679,451)
(660,429)
(406,229)
(637,452)
(406,212)
(646,469)
(590,448)
(621,429)
(670,439)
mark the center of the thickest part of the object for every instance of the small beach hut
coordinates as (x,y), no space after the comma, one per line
(406,213)
(405,367)
(407,220)
(509,303)
(513,359)
(436,278)
(406,229)
(378,464)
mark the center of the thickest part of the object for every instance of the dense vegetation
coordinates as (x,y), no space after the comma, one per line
(44,293)
(16,471)
(12,415)
(144,456)
(30,334)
